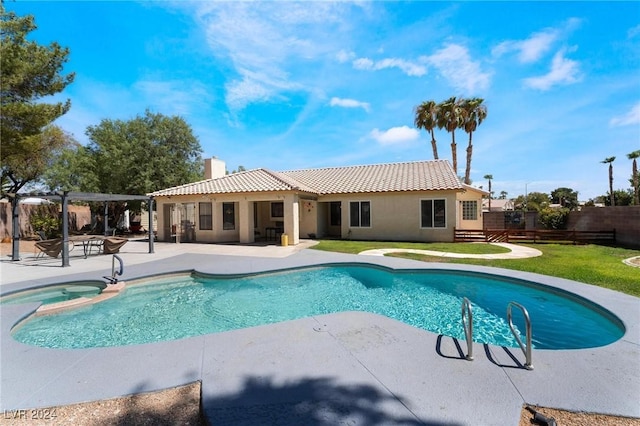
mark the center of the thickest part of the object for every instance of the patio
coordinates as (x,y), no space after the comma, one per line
(351,367)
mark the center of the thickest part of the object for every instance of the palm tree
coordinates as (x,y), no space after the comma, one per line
(426,116)
(450,118)
(610,160)
(503,195)
(474,114)
(489,177)
(634,176)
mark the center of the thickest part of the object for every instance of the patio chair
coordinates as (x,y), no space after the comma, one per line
(49,247)
(112,244)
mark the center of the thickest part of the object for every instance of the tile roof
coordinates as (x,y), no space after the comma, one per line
(390,177)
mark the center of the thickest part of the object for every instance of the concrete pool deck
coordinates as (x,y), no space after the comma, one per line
(351,367)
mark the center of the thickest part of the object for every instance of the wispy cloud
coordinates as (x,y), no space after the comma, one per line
(563,71)
(632,117)
(409,68)
(537,45)
(530,49)
(261,41)
(394,135)
(349,103)
(455,64)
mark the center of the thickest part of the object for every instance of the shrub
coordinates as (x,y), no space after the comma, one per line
(553,218)
(46,220)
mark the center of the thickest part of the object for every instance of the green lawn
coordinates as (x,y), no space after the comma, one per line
(592,264)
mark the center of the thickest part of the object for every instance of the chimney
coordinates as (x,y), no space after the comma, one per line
(214,168)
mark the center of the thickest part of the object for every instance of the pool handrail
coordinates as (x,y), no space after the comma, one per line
(468,327)
(112,279)
(526,350)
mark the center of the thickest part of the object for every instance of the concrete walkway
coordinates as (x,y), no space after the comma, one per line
(352,368)
(517,252)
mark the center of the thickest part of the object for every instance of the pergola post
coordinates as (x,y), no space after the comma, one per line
(105,218)
(15,228)
(151,236)
(65,229)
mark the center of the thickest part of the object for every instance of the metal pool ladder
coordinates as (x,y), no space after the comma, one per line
(526,349)
(113,279)
(467,325)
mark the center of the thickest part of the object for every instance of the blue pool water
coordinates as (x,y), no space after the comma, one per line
(179,307)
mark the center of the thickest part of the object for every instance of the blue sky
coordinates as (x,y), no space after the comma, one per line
(286,85)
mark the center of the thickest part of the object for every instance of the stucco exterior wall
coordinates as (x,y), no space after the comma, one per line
(461,222)
(397,216)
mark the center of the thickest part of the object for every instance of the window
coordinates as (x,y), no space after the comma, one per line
(469,210)
(228,216)
(277,209)
(433,214)
(360,214)
(206,216)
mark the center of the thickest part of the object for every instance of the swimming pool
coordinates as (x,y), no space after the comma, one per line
(191,305)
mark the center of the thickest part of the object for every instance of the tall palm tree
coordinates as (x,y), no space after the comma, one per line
(610,160)
(426,118)
(634,176)
(450,118)
(474,114)
(489,177)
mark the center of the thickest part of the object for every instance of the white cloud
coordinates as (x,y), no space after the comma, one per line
(349,103)
(409,68)
(455,65)
(395,135)
(563,71)
(343,56)
(264,40)
(533,48)
(632,117)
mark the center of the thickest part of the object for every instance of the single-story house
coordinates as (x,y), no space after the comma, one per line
(410,201)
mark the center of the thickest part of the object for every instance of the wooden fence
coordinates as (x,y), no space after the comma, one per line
(534,236)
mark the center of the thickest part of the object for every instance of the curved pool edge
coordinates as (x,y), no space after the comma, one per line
(605,379)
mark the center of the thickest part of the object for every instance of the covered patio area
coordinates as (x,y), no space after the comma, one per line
(64,197)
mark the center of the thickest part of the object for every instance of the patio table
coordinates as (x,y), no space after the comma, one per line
(88,241)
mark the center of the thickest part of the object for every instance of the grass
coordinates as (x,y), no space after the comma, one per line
(591,264)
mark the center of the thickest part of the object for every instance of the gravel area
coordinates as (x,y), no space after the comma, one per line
(176,406)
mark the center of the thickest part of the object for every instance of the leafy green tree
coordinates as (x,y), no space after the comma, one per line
(451,117)
(533,201)
(635,179)
(135,157)
(566,197)
(30,72)
(610,160)
(503,195)
(622,197)
(427,118)
(474,114)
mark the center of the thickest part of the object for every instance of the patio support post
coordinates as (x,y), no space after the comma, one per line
(15,228)
(105,218)
(151,236)
(65,229)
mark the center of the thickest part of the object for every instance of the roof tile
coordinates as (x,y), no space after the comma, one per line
(390,177)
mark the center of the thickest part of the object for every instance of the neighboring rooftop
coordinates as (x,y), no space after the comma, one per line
(391,177)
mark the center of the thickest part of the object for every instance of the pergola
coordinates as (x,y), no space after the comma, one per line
(65,197)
